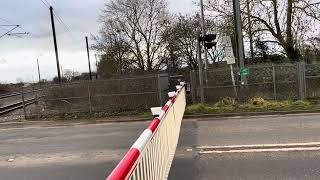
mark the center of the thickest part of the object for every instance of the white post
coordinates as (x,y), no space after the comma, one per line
(233,81)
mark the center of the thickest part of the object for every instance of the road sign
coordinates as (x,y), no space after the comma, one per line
(229,55)
(245,72)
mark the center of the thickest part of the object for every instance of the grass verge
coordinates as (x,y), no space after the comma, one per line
(256,104)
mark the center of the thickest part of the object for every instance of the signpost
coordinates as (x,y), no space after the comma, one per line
(229,57)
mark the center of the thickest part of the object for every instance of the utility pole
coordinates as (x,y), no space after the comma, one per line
(39,75)
(90,74)
(200,68)
(250,28)
(203,28)
(239,38)
(55,43)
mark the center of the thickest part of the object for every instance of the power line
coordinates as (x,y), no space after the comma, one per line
(12,24)
(9,31)
(45,3)
(58,17)
(66,27)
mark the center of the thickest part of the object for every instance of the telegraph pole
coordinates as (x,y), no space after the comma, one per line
(55,43)
(200,68)
(90,74)
(239,38)
(203,27)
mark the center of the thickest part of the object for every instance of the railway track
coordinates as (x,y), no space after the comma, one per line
(14,106)
(17,93)
(10,95)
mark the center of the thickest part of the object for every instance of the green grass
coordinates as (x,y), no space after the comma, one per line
(225,105)
(256,104)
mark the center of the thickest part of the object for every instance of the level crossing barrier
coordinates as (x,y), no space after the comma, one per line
(151,156)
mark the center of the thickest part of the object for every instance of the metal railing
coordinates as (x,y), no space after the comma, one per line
(151,156)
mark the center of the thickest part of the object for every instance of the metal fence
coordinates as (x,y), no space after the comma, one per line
(110,97)
(270,81)
(99,97)
(151,155)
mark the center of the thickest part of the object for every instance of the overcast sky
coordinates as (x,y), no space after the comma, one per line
(18,55)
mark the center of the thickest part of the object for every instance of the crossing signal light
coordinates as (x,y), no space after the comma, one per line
(208,40)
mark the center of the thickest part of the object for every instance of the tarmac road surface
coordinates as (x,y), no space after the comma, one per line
(268,147)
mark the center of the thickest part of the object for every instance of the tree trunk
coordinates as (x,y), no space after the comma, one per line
(292,52)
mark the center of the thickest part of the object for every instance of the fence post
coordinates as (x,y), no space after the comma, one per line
(89,97)
(193,85)
(233,82)
(301,80)
(274,81)
(23,103)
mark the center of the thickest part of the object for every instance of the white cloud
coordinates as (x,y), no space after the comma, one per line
(18,55)
(3,61)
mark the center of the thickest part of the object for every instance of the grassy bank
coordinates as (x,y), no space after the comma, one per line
(257,104)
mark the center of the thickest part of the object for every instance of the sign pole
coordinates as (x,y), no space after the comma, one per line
(233,82)
(200,69)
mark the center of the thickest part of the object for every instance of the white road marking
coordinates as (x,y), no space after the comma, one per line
(259,145)
(261,150)
(254,148)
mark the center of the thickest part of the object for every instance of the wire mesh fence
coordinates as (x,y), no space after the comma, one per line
(138,94)
(271,81)
(100,97)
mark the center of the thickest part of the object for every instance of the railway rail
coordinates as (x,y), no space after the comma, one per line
(14,106)
(18,93)
(10,95)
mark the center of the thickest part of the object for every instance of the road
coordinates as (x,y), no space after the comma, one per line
(91,151)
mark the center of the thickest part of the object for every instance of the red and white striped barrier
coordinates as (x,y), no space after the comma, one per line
(150,157)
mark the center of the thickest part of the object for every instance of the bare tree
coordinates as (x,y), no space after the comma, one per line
(287,23)
(69,74)
(112,45)
(139,23)
(181,40)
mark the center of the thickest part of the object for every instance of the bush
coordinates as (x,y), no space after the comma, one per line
(226,102)
(301,103)
(200,108)
(257,101)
